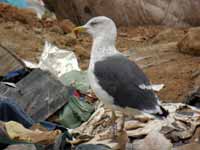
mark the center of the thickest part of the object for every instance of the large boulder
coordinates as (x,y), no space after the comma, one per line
(130,12)
(167,36)
(190,43)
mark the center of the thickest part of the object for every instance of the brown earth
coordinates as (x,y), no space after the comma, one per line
(154,48)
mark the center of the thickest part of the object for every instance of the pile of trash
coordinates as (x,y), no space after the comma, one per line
(49,105)
(144,132)
(46,101)
(55,88)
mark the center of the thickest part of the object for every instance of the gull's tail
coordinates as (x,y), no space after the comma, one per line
(165,113)
(162,113)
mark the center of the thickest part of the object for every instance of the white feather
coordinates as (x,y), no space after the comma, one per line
(154,87)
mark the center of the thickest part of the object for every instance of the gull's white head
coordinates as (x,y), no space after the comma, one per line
(100,27)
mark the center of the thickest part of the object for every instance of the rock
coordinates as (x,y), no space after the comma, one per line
(153,141)
(165,12)
(192,146)
(56,29)
(190,44)
(37,30)
(66,25)
(24,16)
(168,35)
(21,147)
(193,98)
(81,52)
(92,147)
(70,40)
(133,124)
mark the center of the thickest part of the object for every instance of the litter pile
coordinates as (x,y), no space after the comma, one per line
(144,132)
(52,89)
(46,101)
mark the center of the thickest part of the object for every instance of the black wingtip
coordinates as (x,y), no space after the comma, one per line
(162,115)
(165,113)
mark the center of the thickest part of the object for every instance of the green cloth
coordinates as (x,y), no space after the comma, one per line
(81,80)
(75,112)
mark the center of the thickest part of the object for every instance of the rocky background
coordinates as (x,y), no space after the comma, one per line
(130,12)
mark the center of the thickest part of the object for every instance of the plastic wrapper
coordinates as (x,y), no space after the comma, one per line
(55,60)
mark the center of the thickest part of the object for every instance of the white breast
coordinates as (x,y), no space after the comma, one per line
(101,49)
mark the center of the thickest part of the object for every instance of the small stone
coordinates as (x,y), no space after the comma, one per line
(81,52)
(66,25)
(190,43)
(37,30)
(56,29)
(153,141)
(168,35)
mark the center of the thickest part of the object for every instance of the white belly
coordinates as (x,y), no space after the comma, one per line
(100,93)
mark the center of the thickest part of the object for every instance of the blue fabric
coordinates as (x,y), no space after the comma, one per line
(17,3)
(15,76)
(52,126)
(9,110)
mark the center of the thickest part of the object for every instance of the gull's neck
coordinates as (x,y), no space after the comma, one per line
(102,47)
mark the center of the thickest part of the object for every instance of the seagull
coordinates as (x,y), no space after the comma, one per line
(116,80)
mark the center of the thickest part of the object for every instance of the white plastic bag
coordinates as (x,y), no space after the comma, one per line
(55,60)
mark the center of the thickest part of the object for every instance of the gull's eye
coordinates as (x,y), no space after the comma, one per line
(94,23)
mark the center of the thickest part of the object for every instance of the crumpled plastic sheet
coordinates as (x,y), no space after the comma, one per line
(55,60)
(180,125)
(77,79)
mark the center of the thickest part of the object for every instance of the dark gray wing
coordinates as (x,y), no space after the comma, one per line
(121,79)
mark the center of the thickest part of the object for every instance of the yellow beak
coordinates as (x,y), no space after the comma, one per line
(79,30)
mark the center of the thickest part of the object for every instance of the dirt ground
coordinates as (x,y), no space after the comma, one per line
(154,48)
(164,63)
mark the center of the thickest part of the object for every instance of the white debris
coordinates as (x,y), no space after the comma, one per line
(154,87)
(30,64)
(55,60)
